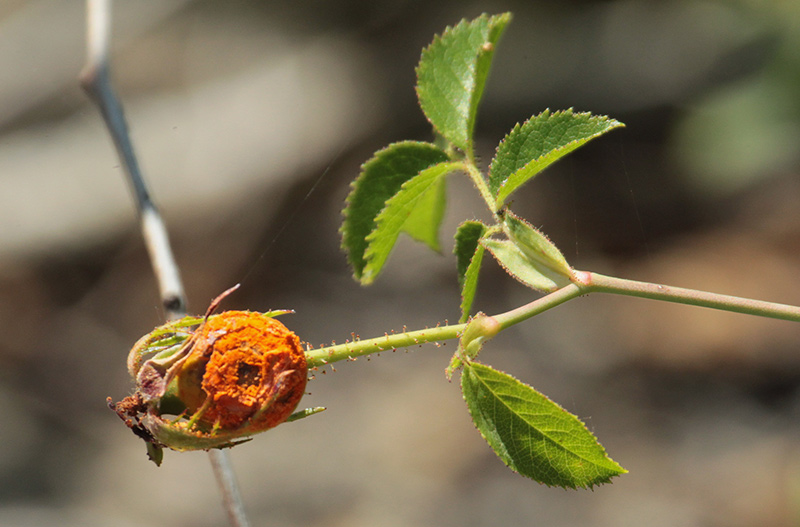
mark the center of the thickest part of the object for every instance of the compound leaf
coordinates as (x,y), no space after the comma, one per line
(531,434)
(539,142)
(452,74)
(381,178)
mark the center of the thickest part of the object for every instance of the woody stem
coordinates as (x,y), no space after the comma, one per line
(96,81)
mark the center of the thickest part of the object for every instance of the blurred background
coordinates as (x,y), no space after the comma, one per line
(251,119)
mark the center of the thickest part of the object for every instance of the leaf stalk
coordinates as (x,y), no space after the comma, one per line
(480,183)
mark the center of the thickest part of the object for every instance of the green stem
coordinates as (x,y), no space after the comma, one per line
(584,283)
(540,305)
(480,183)
(357,348)
(597,283)
(351,350)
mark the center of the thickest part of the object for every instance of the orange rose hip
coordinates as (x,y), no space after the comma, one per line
(245,370)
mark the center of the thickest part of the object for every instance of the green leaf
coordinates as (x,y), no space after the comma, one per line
(399,208)
(515,263)
(426,217)
(539,142)
(452,74)
(531,434)
(381,178)
(469,255)
(538,248)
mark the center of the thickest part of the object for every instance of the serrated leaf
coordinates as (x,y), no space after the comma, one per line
(538,248)
(539,142)
(381,178)
(516,264)
(531,434)
(399,208)
(452,74)
(469,255)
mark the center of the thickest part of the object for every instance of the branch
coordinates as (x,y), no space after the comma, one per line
(584,283)
(96,81)
(357,348)
(598,283)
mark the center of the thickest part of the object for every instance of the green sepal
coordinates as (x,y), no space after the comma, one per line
(531,434)
(277,312)
(452,74)
(539,142)
(161,343)
(306,412)
(155,453)
(178,436)
(380,179)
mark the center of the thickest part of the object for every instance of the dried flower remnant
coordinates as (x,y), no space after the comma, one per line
(253,372)
(212,382)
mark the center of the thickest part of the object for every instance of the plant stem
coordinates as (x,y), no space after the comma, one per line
(540,305)
(585,283)
(351,350)
(226,480)
(96,81)
(598,283)
(357,348)
(480,183)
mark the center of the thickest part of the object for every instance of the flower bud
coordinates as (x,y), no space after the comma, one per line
(480,329)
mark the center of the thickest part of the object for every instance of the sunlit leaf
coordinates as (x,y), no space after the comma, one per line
(452,74)
(531,434)
(381,178)
(425,219)
(539,142)
(399,208)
